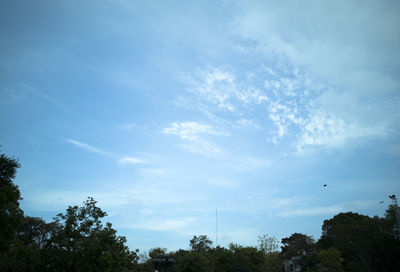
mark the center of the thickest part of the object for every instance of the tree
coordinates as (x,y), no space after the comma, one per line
(329,260)
(222,259)
(269,247)
(82,243)
(273,262)
(246,259)
(366,243)
(302,247)
(194,261)
(267,244)
(11,215)
(75,241)
(298,244)
(200,243)
(157,251)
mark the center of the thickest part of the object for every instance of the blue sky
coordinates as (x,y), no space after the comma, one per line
(164,111)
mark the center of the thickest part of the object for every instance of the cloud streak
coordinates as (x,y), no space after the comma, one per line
(90,148)
(130,160)
(127,160)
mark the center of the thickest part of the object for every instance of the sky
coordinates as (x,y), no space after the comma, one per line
(166,111)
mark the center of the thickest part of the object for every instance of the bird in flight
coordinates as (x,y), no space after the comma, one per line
(325,185)
(381,202)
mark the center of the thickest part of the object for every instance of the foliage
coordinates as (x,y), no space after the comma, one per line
(81,243)
(301,246)
(222,259)
(11,215)
(329,260)
(200,243)
(77,240)
(365,243)
(297,244)
(273,262)
(246,258)
(157,251)
(267,244)
(194,261)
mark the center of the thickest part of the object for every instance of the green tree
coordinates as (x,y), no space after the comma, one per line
(246,259)
(179,257)
(200,243)
(267,244)
(11,216)
(24,255)
(273,262)
(301,246)
(366,243)
(222,259)
(194,261)
(82,243)
(157,251)
(329,260)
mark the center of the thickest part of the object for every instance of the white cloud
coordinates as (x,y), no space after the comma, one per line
(248,123)
(193,133)
(130,160)
(349,63)
(191,130)
(203,147)
(218,89)
(89,148)
(121,160)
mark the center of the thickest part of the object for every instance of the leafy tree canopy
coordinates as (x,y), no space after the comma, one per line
(366,243)
(11,215)
(200,243)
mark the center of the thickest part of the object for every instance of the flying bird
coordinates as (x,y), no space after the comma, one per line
(325,185)
(381,202)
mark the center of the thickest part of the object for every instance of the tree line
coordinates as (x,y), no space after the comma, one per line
(77,240)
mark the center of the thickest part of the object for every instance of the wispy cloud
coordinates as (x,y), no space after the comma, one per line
(130,160)
(248,124)
(191,130)
(347,89)
(194,134)
(219,90)
(299,107)
(90,148)
(127,160)
(311,97)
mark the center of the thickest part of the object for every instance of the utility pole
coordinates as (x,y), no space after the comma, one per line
(396,215)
